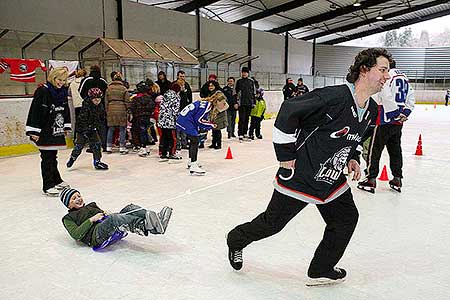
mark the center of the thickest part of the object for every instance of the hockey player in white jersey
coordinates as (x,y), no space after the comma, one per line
(396,101)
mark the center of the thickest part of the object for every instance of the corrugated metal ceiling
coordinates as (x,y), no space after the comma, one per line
(326,28)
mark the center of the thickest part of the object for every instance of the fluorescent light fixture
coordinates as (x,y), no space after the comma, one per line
(357,3)
(379,17)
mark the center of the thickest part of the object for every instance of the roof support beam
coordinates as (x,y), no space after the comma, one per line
(81,52)
(387,28)
(4,31)
(271,11)
(326,16)
(31,42)
(286,53)
(60,45)
(250,44)
(195,4)
(372,20)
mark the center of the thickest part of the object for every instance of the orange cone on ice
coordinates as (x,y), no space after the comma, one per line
(419,146)
(434,105)
(384,175)
(229,155)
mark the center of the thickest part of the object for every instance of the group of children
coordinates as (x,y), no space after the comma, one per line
(148,108)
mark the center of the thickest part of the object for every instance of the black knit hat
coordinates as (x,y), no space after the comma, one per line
(245,69)
(66,194)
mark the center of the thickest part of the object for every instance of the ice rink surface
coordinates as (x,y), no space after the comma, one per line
(400,249)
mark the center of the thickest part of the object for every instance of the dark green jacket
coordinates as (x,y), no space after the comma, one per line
(78,224)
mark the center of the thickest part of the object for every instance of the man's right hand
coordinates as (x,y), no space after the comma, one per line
(290,164)
(96,218)
(34,137)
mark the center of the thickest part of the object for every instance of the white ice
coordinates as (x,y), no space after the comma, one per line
(400,249)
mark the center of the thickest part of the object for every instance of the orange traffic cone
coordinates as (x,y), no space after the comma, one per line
(434,105)
(384,175)
(229,155)
(419,146)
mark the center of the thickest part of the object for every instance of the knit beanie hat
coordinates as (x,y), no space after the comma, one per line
(66,194)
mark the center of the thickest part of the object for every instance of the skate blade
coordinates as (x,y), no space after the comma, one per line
(197,174)
(396,188)
(323,281)
(366,189)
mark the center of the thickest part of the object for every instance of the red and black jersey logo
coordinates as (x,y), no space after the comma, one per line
(340,133)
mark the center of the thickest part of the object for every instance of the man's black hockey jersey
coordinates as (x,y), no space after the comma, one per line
(321,130)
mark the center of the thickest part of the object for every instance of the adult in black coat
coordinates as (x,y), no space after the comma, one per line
(289,89)
(245,90)
(164,84)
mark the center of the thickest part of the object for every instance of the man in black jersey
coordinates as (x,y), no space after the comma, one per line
(315,137)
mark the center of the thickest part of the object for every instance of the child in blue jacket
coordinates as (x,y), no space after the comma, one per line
(196,116)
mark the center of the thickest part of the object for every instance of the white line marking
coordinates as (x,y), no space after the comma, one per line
(190,192)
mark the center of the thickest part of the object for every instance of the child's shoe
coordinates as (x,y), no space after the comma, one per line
(142,152)
(153,223)
(51,192)
(98,165)
(195,169)
(123,150)
(62,185)
(163,158)
(70,162)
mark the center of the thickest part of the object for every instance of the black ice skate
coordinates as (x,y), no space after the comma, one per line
(98,165)
(368,185)
(235,258)
(396,184)
(70,162)
(337,275)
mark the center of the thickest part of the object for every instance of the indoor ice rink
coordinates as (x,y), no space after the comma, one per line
(399,249)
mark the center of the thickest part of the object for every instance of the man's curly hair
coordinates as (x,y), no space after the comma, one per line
(366,58)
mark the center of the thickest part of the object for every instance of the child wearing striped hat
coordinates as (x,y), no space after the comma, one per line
(91,225)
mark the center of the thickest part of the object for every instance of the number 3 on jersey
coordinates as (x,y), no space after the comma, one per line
(402,92)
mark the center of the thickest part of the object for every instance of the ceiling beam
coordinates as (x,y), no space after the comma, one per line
(271,11)
(373,20)
(326,16)
(387,28)
(193,5)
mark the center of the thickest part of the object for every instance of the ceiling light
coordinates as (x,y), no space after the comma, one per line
(333,6)
(357,3)
(379,17)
